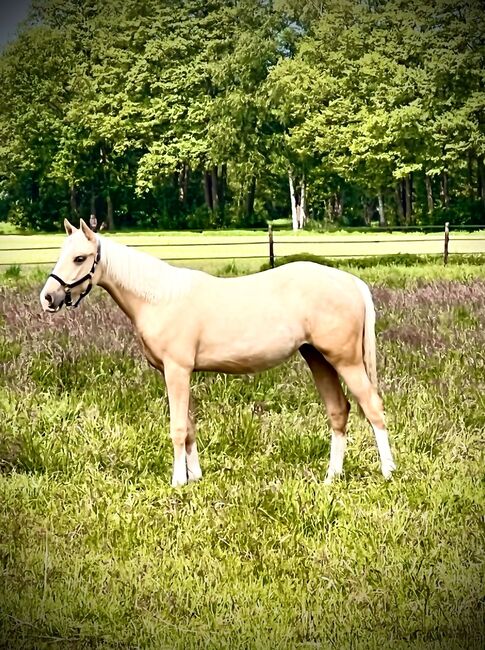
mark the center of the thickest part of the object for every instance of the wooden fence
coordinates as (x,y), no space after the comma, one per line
(279,243)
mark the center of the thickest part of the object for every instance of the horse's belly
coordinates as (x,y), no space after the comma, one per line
(239,364)
(248,353)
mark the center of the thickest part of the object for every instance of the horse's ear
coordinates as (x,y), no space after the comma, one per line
(69,227)
(88,233)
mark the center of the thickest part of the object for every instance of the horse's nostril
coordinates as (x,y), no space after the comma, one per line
(49,298)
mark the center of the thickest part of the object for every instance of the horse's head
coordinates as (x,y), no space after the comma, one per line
(75,271)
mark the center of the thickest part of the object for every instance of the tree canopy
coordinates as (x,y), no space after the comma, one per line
(196,114)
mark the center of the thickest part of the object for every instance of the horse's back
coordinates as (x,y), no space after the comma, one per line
(301,278)
(297,292)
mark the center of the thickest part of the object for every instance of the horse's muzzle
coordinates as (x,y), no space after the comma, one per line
(52,301)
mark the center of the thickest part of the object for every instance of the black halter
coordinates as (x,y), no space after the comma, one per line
(68,286)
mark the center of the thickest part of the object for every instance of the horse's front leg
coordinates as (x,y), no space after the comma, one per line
(177,379)
(193,466)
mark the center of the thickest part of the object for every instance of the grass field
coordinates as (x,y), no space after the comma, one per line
(98,551)
(247,248)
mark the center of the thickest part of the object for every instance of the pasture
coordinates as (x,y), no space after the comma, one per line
(98,551)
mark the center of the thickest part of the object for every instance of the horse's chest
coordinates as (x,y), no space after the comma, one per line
(168,338)
(151,353)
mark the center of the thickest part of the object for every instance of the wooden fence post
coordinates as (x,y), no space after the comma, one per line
(271,246)
(447,239)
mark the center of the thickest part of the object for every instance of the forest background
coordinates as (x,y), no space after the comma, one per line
(191,114)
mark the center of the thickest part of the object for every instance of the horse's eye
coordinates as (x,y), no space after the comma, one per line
(80,259)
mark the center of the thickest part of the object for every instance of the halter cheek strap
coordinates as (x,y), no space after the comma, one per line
(67,286)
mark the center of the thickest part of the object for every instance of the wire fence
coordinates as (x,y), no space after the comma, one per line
(278,244)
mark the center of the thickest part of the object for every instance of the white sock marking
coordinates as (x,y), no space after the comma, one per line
(387,461)
(337,452)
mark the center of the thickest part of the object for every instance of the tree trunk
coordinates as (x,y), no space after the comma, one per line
(382,215)
(182,182)
(208,190)
(303,214)
(445,199)
(222,190)
(93,202)
(294,212)
(185,184)
(469,166)
(332,208)
(250,197)
(73,201)
(399,202)
(429,194)
(481,180)
(339,205)
(409,199)
(109,213)
(366,211)
(215,188)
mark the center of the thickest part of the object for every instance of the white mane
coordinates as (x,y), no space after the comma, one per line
(142,274)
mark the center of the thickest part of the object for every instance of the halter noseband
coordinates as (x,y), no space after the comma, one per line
(68,286)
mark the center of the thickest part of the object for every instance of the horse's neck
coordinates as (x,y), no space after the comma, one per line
(132,277)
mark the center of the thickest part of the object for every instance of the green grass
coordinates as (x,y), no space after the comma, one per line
(249,249)
(98,551)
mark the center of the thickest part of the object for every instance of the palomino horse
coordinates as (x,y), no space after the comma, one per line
(188,320)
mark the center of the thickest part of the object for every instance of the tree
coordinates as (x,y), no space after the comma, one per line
(196,114)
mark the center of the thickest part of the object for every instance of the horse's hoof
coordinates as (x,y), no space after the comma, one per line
(330,477)
(388,470)
(178,481)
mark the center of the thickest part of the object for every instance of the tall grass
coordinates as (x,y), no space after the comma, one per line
(98,551)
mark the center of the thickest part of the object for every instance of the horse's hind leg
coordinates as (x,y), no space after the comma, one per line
(330,390)
(194,471)
(355,376)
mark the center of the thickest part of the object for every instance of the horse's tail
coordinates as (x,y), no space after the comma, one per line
(369,334)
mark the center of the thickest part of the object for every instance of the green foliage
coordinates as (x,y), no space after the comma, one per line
(190,114)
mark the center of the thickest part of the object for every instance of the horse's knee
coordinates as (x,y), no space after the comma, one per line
(338,417)
(178,436)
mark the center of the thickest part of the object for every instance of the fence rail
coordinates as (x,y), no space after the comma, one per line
(311,242)
(275,242)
